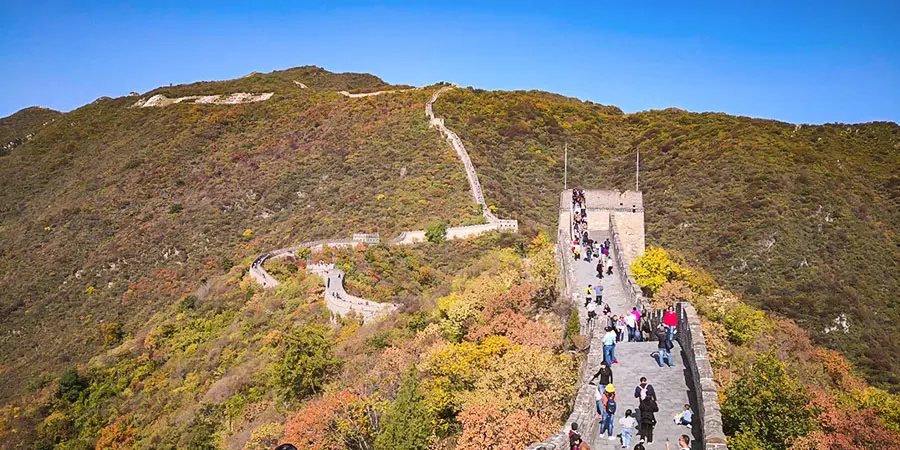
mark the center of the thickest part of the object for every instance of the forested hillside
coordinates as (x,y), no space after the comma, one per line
(802,220)
(127,318)
(115,212)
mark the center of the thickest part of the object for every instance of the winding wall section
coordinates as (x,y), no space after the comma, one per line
(342,303)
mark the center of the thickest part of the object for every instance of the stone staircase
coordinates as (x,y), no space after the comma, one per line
(635,361)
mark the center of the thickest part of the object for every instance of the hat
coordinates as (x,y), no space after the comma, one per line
(610,388)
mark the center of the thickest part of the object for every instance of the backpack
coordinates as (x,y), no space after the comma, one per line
(573,435)
(610,404)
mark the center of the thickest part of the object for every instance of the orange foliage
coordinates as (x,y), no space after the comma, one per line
(519,329)
(115,436)
(487,428)
(846,428)
(311,427)
(518,300)
(838,368)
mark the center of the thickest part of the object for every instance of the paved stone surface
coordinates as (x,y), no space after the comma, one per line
(340,302)
(635,361)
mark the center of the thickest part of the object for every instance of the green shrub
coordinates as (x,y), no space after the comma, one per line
(306,362)
(71,385)
(768,405)
(188,303)
(436,232)
(573,325)
(407,422)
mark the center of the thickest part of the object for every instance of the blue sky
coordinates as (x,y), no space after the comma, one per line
(803,62)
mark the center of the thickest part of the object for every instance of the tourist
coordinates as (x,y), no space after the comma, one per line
(647,409)
(620,328)
(608,411)
(631,326)
(609,346)
(600,267)
(664,346)
(598,294)
(685,416)
(588,252)
(573,434)
(579,444)
(588,295)
(629,425)
(609,266)
(637,320)
(684,442)
(670,320)
(605,374)
(644,390)
(591,311)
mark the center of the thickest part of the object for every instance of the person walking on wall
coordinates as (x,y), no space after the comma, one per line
(631,326)
(608,411)
(664,346)
(639,335)
(670,320)
(648,408)
(684,443)
(609,346)
(644,390)
(629,427)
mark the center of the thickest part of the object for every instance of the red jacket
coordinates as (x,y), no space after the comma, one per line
(670,319)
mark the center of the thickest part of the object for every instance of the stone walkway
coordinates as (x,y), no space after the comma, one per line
(635,361)
(340,302)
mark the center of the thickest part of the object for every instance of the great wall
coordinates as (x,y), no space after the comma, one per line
(618,216)
(343,303)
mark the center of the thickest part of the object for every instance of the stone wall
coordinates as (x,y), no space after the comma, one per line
(623,269)
(690,336)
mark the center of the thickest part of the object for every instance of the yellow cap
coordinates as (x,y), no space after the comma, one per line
(610,388)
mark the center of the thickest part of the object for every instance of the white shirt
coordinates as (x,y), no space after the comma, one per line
(630,320)
(592,307)
(628,423)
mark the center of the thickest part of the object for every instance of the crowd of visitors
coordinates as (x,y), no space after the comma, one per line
(631,326)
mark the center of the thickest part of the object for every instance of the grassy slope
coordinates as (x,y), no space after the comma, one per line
(14,130)
(142,204)
(719,189)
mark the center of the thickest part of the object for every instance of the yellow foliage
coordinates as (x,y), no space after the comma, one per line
(247,234)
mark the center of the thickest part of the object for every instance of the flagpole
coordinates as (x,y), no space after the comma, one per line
(637,172)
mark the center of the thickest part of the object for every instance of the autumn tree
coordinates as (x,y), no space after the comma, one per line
(844,427)
(654,268)
(407,423)
(337,420)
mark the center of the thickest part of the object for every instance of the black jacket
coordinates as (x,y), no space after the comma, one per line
(605,374)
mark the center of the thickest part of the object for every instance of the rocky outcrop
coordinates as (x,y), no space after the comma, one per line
(223,99)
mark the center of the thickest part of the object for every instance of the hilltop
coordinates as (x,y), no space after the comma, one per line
(22,126)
